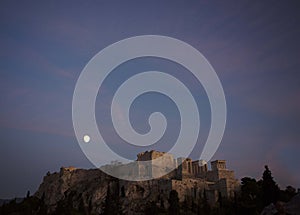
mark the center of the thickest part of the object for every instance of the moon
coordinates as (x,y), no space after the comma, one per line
(86,138)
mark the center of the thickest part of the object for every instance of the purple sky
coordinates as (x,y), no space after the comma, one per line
(253,47)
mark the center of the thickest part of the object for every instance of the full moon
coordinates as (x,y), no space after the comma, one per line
(86,138)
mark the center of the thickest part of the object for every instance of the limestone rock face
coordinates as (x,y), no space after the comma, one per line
(85,187)
(88,189)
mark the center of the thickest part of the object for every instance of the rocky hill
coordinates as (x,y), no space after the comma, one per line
(79,191)
(88,189)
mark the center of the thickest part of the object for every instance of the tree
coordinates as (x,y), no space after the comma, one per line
(269,188)
(206,206)
(28,194)
(112,201)
(174,203)
(287,194)
(250,191)
(151,208)
(220,200)
(122,191)
(250,196)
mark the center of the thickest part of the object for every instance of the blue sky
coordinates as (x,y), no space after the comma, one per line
(253,47)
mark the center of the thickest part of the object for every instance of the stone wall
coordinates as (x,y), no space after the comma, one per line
(189,187)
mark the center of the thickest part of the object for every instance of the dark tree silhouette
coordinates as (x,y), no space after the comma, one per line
(269,188)
(250,196)
(162,204)
(220,200)
(206,206)
(122,191)
(151,208)
(112,202)
(287,194)
(28,194)
(174,203)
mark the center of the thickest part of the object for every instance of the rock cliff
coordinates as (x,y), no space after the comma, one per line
(88,189)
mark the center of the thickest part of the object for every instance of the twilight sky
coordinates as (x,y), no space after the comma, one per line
(253,47)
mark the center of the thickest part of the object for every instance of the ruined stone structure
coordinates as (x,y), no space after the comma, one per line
(191,179)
